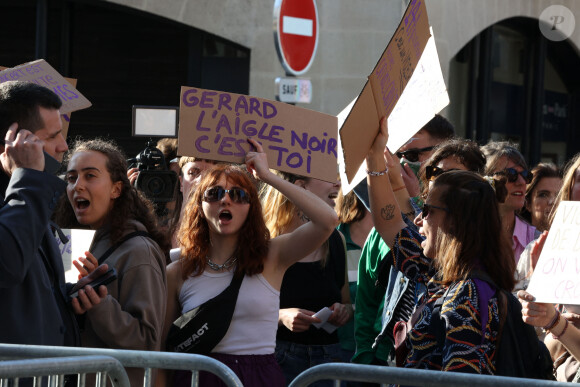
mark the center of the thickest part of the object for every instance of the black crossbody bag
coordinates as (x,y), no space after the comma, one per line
(202,328)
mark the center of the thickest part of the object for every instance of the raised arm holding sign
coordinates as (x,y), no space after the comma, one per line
(406,85)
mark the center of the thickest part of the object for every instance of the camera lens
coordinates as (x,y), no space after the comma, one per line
(155,186)
(158,186)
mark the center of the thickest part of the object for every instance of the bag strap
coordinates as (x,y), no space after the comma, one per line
(436,320)
(118,244)
(482,275)
(233,287)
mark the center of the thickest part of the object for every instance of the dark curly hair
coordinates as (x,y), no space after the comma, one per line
(131,204)
(466,152)
(193,234)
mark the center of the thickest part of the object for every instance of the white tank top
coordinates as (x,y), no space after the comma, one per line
(255,320)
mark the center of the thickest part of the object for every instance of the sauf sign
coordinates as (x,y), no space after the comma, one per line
(296,40)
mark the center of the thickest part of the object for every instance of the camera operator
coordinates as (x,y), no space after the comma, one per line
(167,146)
(150,175)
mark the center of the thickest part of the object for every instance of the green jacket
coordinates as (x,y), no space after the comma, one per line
(369,303)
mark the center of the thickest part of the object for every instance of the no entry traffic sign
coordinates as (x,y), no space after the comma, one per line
(296,34)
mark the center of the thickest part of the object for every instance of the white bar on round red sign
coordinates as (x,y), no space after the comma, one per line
(297,26)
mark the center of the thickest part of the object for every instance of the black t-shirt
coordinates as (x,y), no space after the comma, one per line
(309,285)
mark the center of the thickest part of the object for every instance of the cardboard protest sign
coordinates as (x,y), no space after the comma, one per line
(41,73)
(79,241)
(424,96)
(556,278)
(385,86)
(64,117)
(216,125)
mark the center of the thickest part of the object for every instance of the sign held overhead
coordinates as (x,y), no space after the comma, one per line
(43,74)
(215,125)
(385,86)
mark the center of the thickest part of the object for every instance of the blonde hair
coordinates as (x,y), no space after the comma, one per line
(349,208)
(278,210)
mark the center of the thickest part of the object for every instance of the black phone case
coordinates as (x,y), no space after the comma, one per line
(105,279)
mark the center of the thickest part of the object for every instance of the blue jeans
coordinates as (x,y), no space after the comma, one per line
(297,358)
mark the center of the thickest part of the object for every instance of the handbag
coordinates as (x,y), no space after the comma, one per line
(202,328)
(400,332)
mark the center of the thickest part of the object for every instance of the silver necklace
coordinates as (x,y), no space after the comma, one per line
(226,265)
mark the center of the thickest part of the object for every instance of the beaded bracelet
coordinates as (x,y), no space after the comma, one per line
(554,322)
(381,173)
(563,330)
(399,188)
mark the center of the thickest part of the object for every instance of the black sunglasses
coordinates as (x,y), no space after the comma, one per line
(428,207)
(432,172)
(413,153)
(217,193)
(512,175)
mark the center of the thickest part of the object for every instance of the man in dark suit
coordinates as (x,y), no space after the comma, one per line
(33,294)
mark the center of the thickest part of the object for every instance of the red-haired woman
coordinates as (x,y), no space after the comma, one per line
(222,234)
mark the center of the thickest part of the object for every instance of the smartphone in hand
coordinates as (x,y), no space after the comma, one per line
(105,279)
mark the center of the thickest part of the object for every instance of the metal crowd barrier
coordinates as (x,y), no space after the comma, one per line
(409,377)
(147,360)
(55,369)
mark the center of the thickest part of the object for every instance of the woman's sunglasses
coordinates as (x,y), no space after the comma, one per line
(427,209)
(413,153)
(217,193)
(512,175)
(432,172)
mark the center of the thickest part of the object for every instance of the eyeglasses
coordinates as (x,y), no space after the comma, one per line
(217,193)
(413,153)
(432,172)
(428,207)
(512,175)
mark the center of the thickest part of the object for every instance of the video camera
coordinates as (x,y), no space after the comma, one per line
(154,180)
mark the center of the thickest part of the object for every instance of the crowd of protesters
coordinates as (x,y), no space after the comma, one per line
(298,273)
